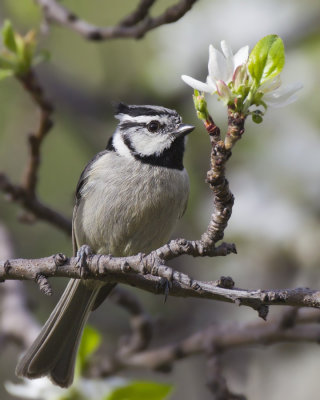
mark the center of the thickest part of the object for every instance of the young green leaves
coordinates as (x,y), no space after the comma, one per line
(244,82)
(266,59)
(8,37)
(200,105)
(18,53)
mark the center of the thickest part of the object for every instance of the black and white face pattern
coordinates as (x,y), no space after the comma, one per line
(150,134)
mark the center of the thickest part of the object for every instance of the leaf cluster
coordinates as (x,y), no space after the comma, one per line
(19,52)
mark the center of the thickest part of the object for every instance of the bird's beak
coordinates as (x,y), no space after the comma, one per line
(183,129)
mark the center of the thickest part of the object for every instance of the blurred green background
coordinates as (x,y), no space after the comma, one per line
(274,172)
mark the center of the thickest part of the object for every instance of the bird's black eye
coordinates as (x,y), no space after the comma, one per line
(153,126)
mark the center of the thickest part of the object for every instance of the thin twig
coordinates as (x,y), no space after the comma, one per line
(222,197)
(32,86)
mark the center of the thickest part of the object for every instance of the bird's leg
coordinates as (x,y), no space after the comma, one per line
(164,285)
(82,255)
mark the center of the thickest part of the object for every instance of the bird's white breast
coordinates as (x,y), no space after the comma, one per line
(129,207)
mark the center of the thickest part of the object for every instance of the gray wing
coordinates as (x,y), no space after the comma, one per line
(184,209)
(81,182)
(104,291)
(186,200)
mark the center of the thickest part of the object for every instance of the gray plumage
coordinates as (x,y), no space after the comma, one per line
(129,198)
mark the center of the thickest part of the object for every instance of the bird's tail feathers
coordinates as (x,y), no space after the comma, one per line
(54,351)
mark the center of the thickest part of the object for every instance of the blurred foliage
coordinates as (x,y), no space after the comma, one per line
(90,341)
(141,391)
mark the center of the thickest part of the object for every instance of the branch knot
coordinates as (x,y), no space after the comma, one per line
(43,284)
(60,259)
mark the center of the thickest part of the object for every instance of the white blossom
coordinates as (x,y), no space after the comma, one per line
(36,389)
(44,389)
(277,96)
(221,68)
(236,79)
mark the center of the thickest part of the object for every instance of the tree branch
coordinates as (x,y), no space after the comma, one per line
(146,273)
(135,25)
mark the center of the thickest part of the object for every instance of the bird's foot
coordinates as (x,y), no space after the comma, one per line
(164,286)
(82,256)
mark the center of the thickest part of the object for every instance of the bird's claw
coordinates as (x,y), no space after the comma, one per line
(81,261)
(165,285)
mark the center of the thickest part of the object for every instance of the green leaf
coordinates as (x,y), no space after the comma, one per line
(257,118)
(140,390)
(6,62)
(22,55)
(266,59)
(5,73)
(90,341)
(8,36)
(25,51)
(200,105)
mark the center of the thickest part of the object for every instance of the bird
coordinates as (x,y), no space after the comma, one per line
(128,200)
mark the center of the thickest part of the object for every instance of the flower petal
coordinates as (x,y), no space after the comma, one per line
(20,390)
(211,84)
(227,51)
(283,96)
(217,65)
(40,388)
(241,56)
(224,92)
(240,76)
(270,85)
(99,388)
(195,84)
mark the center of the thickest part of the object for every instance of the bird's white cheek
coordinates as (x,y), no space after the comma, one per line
(121,148)
(147,146)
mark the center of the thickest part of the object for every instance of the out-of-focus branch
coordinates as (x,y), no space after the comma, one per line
(25,193)
(135,25)
(140,322)
(139,14)
(32,86)
(32,204)
(216,382)
(224,337)
(16,322)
